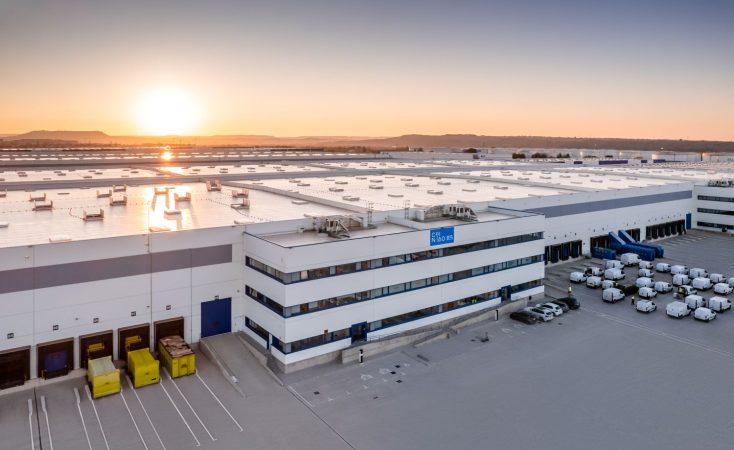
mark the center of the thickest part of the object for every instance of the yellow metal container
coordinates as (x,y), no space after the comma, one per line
(143,368)
(103,376)
(177,356)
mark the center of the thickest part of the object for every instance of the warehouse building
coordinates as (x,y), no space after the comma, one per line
(308,258)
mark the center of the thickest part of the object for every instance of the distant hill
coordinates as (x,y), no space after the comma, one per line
(399,142)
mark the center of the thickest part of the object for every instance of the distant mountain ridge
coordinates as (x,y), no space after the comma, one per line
(398,142)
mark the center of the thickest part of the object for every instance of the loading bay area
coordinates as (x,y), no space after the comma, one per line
(601,377)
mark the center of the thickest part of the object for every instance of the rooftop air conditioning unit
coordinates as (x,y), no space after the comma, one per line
(122,188)
(43,205)
(244,203)
(91,216)
(242,193)
(104,194)
(182,198)
(213,185)
(118,200)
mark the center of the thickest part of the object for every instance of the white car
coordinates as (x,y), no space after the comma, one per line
(647,292)
(646,306)
(643,282)
(719,304)
(662,267)
(701,283)
(663,287)
(730,281)
(675,270)
(577,277)
(644,264)
(595,282)
(593,271)
(606,284)
(540,314)
(645,273)
(704,314)
(677,310)
(697,272)
(680,279)
(723,288)
(717,278)
(612,295)
(555,309)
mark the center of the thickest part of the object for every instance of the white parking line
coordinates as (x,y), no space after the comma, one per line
(132,418)
(198,444)
(48,426)
(30,423)
(79,408)
(189,404)
(99,422)
(220,402)
(130,383)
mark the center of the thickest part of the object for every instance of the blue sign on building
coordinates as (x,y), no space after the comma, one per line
(440,236)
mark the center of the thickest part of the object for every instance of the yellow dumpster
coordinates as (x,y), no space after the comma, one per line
(177,356)
(103,376)
(143,368)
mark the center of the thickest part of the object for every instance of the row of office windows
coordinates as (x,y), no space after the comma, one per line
(342,269)
(715,225)
(356,297)
(327,337)
(716,199)
(716,211)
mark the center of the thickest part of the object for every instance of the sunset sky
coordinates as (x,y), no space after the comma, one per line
(642,68)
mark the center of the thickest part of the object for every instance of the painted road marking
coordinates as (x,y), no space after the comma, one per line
(48,426)
(198,444)
(189,404)
(132,418)
(99,422)
(79,408)
(30,423)
(130,383)
(220,402)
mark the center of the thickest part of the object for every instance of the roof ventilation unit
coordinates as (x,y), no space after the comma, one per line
(299,202)
(43,205)
(90,216)
(118,200)
(242,193)
(395,195)
(37,198)
(59,238)
(304,184)
(182,198)
(473,181)
(444,183)
(172,212)
(161,190)
(244,203)
(4,193)
(337,227)
(435,192)
(350,198)
(122,188)
(4,224)
(460,212)
(411,184)
(336,189)
(104,194)
(501,188)
(376,186)
(213,185)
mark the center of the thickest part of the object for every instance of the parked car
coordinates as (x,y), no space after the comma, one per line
(644,264)
(606,284)
(613,274)
(663,287)
(680,279)
(524,317)
(717,278)
(593,271)
(612,295)
(644,282)
(645,273)
(677,310)
(723,288)
(698,272)
(647,292)
(630,259)
(564,307)
(701,283)
(719,304)
(694,301)
(595,282)
(662,267)
(555,309)
(627,289)
(540,314)
(646,306)
(577,277)
(684,290)
(674,270)
(572,302)
(730,281)
(613,264)
(704,314)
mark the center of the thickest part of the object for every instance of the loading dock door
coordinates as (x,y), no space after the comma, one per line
(93,346)
(216,317)
(168,327)
(15,367)
(132,338)
(55,358)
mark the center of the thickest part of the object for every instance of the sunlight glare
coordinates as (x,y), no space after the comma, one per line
(167,111)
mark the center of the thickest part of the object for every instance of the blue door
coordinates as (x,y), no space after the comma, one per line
(216,317)
(506,293)
(688,221)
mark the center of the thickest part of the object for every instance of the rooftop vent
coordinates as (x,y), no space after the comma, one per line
(59,238)
(375,186)
(395,195)
(4,224)
(116,200)
(122,188)
(435,192)
(91,216)
(172,212)
(501,188)
(472,181)
(468,189)
(411,184)
(299,202)
(43,205)
(182,198)
(455,211)
(104,194)
(4,193)
(304,184)
(341,182)
(242,193)
(350,198)
(444,183)
(213,185)
(244,203)
(406,179)
(159,229)
(336,189)
(161,190)
(338,226)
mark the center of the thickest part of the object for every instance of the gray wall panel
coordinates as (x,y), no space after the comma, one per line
(616,203)
(104,269)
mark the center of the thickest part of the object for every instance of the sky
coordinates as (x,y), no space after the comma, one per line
(639,69)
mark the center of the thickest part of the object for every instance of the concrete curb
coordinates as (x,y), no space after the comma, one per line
(211,354)
(262,359)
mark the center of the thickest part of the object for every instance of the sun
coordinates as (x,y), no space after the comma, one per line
(167,111)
